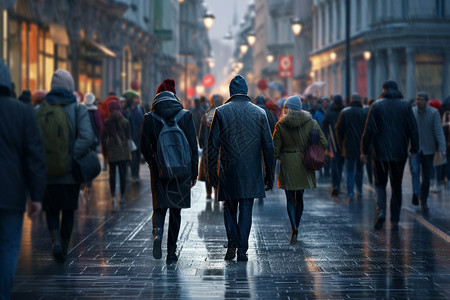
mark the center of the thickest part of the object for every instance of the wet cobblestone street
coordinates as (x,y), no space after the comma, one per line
(339,255)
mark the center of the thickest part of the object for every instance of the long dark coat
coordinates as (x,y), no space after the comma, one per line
(115,139)
(172,193)
(240,150)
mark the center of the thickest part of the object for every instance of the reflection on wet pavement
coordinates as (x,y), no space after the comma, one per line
(338,255)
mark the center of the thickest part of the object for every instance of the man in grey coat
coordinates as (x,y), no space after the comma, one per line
(22,171)
(431,135)
(241,162)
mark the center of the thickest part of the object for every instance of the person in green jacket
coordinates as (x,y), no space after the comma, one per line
(292,132)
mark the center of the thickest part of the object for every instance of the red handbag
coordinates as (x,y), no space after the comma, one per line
(313,156)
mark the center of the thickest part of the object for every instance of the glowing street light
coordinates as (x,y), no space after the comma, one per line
(208,20)
(251,39)
(269,58)
(244,48)
(333,55)
(296,27)
(180,1)
(367,55)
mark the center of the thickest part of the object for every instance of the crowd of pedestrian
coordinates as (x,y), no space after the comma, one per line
(45,136)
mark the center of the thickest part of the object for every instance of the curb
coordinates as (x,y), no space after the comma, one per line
(419,218)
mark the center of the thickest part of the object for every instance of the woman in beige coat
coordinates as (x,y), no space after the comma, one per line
(292,131)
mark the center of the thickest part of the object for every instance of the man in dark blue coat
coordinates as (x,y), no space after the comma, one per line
(22,169)
(390,127)
(241,162)
(349,130)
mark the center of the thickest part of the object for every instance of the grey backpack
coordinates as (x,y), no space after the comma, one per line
(173,154)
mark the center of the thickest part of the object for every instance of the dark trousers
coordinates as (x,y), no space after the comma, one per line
(294,207)
(238,232)
(159,215)
(135,163)
(393,169)
(10,234)
(60,203)
(122,166)
(337,164)
(426,163)
(208,187)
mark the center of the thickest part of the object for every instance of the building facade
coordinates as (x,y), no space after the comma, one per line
(406,41)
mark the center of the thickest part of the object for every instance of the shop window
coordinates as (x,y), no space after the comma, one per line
(429,74)
(33,57)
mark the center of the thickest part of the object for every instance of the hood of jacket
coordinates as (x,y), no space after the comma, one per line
(60,97)
(166,105)
(238,97)
(5,80)
(296,120)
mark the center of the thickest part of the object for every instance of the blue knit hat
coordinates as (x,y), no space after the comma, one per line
(238,85)
(293,102)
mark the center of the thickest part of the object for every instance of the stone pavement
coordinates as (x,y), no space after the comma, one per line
(338,255)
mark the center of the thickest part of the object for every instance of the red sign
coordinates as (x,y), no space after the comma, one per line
(208,81)
(262,84)
(190,92)
(285,65)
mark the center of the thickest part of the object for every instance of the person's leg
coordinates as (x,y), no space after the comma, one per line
(350,170)
(244,226)
(341,161)
(208,189)
(290,205)
(10,236)
(335,181)
(112,178)
(447,167)
(396,176)
(174,229)
(123,177)
(380,169)
(67,220)
(159,216)
(414,168)
(369,171)
(231,227)
(135,164)
(359,175)
(298,207)
(427,168)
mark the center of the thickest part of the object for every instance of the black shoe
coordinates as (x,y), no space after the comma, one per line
(425,211)
(334,193)
(58,252)
(157,244)
(379,223)
(293,238)
(172,257)
(415,199)
(242,257)
(231,254)
(65,245)
(394,226)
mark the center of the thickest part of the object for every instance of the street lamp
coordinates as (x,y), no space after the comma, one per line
(296,26)
(269,58)
(180,1)
(244,48)
(333,56)
(251,39)
(367,55)
(208,20)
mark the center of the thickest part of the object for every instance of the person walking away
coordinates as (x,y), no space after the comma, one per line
(240,163)
(446,127)
(205,126)
(116,149)
(97,126)
(67,134)
(337,161)
(22,172)
(136,117)
(197,113)
(103,110)
(437,174)
(431,136)
(368,163)
(319,114)
(171,185)
(349,130)
(261,102)
(292,133)
(391,128)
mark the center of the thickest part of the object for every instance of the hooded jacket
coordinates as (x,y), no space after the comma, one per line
(103,108)
(22,156)
(172,193)
(261,102)
(240,150)
(293,175)
(329,123)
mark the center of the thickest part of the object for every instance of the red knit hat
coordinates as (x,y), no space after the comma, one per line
(167,85)
(435,103)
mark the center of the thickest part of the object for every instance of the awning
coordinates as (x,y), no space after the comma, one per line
(102,48)
(59,35)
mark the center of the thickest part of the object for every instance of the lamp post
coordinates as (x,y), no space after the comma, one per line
(243,48)
(296,26)
(269,58)
(251,39)
(208,20)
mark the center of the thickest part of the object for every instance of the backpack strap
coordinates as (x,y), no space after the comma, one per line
(157,117)
(179,115)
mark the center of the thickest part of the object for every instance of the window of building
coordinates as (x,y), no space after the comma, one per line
(358,15)
(126,68)
(323,33)
(429,74)
(330,23)
(338,20)
(4,35)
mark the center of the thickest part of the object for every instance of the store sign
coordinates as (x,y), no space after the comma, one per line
(285,65)
(208,81)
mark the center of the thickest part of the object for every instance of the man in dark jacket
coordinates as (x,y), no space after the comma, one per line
(349,130)
(261,102)
(23,169)
(337,161)
(390,127)
(173,193)
(239,142)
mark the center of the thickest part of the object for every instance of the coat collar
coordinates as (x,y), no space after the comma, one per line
(238,97)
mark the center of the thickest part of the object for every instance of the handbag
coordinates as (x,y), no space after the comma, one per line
(86,167)
(132,145)
(313,156)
